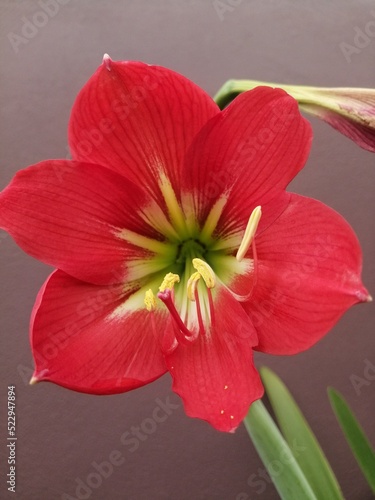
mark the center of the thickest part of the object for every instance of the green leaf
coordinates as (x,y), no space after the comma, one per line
(301,439)
(354,435)
(276,455)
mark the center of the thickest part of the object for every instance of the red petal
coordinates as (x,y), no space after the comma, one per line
(138,120)
(80,344)
(215,376)
(68,214)
(250,152)
(309,266)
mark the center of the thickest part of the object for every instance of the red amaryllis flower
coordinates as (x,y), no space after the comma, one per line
(177,247)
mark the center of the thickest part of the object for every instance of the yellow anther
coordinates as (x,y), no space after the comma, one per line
(192,285)
(150,301)
(205,271)
(169,281)
(250,231)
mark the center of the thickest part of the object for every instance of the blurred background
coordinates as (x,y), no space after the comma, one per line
(49,48)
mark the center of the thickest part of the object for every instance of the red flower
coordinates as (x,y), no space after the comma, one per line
(146,227)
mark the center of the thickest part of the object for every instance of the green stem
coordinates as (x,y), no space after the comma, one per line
(227,93)
(276,455)
(302,93)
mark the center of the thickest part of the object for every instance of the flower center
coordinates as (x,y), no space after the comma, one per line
(187,323)
(191,304)
(188,249)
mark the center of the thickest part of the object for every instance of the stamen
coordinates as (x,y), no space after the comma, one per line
(168,282)
(167,341)
(153,326)
(211,304)
(150,301)
(250,231)
(199,313)
(245,298)
(192,285)
(255,260)
(205,271)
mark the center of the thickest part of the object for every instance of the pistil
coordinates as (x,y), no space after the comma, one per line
(183,334)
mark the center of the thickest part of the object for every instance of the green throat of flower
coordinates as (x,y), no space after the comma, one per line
(188,289)
(190,249)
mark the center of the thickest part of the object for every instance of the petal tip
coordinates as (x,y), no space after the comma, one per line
(363,295)
(38,376)
(34,380)
(107,62)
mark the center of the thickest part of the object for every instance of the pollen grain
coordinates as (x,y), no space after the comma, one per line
(169,281)
(205,271)
(150,301)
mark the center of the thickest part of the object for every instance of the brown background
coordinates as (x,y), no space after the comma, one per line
(61,433)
